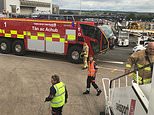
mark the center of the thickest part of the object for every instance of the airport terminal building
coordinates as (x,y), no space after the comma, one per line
(27,6)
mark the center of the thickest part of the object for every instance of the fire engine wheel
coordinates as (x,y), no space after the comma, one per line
(18,47)
(5,46)
(102,113)
(74,54)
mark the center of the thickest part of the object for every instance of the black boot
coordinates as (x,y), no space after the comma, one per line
(98,93)
(86,92)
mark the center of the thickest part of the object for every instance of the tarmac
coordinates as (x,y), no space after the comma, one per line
(25,82)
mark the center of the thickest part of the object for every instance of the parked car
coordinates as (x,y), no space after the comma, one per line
(123,38)
(139,48)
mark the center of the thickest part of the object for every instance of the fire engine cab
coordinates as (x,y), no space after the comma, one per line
(51,36)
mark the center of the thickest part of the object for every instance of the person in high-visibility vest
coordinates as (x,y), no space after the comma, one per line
(85,53)
(140,59)
(92,69)
(58,95)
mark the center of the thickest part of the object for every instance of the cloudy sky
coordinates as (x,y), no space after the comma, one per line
(113,5)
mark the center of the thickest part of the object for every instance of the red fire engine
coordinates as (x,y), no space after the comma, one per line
(60,37)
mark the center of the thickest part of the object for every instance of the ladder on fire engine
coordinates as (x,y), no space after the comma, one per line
(109,85)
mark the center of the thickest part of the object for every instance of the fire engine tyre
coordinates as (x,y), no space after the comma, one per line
(112,46)
(5,46)
(74,54)
(18,48)
(102,113)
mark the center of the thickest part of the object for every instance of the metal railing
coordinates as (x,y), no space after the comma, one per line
(107,88)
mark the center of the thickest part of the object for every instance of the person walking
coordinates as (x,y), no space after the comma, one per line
(58,95)
(92,70)
(140,59)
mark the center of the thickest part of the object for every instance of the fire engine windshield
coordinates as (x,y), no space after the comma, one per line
(91,31)
(95,33)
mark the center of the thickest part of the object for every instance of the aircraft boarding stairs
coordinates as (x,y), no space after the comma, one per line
(134,99)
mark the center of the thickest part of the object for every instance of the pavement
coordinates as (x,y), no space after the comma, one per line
(25,82)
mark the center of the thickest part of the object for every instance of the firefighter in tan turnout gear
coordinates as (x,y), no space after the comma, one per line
(140,59)
(85,53)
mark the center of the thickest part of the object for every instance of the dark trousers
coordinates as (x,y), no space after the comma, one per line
(57,111)
(91,80)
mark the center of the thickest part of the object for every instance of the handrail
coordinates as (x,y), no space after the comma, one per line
(136,69)
(107,95)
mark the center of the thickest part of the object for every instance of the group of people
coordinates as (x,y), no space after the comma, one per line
(92,70)
(58,92)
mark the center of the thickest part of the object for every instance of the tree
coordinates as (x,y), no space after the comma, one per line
(131,16)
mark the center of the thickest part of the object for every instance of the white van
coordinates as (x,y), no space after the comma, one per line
(123,38)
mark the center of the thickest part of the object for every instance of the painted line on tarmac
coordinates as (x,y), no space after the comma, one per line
(124,49)
(113,62)
(112,69)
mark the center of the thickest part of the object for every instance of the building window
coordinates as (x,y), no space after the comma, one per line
(13,8)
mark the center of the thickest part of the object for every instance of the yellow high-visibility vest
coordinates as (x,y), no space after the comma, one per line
(59,98)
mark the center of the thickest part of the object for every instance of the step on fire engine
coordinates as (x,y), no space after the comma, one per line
(60,37)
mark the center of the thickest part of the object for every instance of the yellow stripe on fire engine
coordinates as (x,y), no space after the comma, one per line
(55,36)
(29,33)
(49,39)
(71,37)
(31,20)
(7,35)
(1,31)
(62,39)
(25,33)
(13,31)
(34,37)
(20,36)
(41,34)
